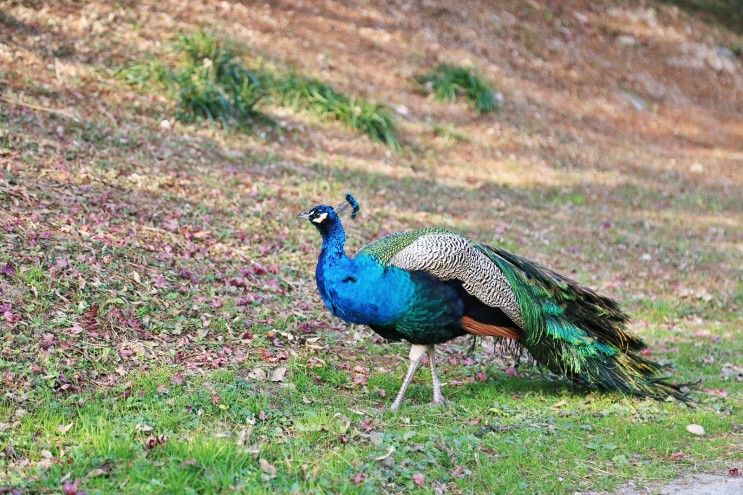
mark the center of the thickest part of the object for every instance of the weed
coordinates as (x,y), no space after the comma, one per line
(448,82)
(324,101)
(210,83)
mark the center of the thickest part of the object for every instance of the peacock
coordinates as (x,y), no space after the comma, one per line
(431,285)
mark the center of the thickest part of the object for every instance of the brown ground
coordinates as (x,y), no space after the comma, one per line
(617,158)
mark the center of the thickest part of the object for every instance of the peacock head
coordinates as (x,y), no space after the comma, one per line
(326,217)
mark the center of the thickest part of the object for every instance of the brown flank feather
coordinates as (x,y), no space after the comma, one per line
(479,328)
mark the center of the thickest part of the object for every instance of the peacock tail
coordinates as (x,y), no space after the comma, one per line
(578,333)
(568,328)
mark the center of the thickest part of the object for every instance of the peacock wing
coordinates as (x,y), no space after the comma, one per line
(448,256)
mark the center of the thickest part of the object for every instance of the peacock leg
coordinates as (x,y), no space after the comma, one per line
(416,356)
(438,398)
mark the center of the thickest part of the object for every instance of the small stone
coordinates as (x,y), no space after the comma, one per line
(582,18)
(634,100)
(695,429)
(402,110)
(165,124)
(696,168)
(714,61)
(646,257)
(625,40)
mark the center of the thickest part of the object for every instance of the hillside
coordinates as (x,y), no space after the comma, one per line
(155,281)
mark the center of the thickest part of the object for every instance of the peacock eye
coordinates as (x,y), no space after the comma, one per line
(319,218)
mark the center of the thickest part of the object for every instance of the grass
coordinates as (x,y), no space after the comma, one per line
(727,12)
(208,84)
(227,433)
(321,100)
(449,82)
(211,84)
(160,329)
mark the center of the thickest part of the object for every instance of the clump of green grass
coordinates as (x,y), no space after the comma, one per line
(210,83)
(448,82)
(323,100)
(213,84)
(144,74)
(448,131)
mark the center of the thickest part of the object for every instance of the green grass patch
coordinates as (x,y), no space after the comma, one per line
(322,100)
(210,83)
(221,433)
(449,82)
(449,132)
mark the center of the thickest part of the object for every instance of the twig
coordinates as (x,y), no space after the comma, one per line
(40,108)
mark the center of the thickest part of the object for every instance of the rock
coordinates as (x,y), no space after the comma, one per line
(695,429)
(634,100)
(727,53)
(714,61)
(402,110)
(696,168)
(165,124)
(625,40)
(582,18)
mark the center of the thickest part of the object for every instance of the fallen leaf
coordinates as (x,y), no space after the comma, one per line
(695,429)
(8,270)
(64,428)
(678,456)
(71,488)
(278,374)
(366,425)
(155,440)
(376,438)
(511,371)
(269,470)
(717,392)
(419,479)
(243,436)
(178,378)
(730,371)
(389,452)
(460,472)
(257,374)
(733,471)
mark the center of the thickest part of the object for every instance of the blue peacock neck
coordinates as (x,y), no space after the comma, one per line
(333,240)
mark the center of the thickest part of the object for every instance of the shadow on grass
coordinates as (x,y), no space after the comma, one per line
(726,12)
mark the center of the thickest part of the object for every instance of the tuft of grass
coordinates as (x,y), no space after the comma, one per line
(210,83)
(448,131)
(448,82)
(213,84)
(322,100)
(144,74)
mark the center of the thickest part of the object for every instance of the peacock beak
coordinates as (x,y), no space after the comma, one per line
(305,215)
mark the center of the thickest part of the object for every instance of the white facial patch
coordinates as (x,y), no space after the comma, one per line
(320,218)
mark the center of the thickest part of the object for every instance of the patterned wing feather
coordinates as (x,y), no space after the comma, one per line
(449,256)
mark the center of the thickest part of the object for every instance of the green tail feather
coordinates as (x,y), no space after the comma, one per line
(578,333)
